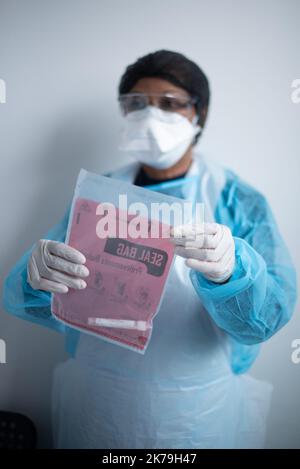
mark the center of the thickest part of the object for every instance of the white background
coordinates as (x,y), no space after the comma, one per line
(61,61)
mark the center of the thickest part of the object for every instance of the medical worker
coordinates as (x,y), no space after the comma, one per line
(230,288)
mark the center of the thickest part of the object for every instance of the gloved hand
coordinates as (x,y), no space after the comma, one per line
(209,248)
(56,267)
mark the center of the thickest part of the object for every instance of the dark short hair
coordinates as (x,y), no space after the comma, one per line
(175,68)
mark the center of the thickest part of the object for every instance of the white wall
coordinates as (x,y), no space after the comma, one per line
(61,61)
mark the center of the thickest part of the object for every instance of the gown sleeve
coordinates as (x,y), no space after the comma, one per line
(23,301)
(260,297)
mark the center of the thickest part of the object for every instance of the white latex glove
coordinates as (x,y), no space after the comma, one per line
(56,267)
(209,248)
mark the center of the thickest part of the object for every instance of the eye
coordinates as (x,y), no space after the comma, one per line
(135,103)
(168,103)
(174,103)
(131,103)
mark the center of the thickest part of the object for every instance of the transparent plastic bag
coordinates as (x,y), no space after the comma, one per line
(128,254)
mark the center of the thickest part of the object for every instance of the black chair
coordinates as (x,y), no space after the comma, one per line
(16,431)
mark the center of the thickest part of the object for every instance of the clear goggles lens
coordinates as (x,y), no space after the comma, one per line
(131,102)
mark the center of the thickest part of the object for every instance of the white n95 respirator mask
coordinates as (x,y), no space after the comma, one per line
(157,138)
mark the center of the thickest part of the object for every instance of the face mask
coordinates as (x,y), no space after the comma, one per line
(157,138)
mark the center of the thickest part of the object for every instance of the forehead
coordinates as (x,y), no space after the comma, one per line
(157,85)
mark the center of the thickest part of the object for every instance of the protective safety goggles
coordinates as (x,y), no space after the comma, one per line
(171,102)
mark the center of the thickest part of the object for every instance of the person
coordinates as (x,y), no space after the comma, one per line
(229,290)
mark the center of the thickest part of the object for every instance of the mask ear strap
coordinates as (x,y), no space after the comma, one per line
(195,120)
(199,128)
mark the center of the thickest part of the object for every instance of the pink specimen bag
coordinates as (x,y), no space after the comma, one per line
(128,254)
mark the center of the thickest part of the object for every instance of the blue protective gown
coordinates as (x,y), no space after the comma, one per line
(190,389)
